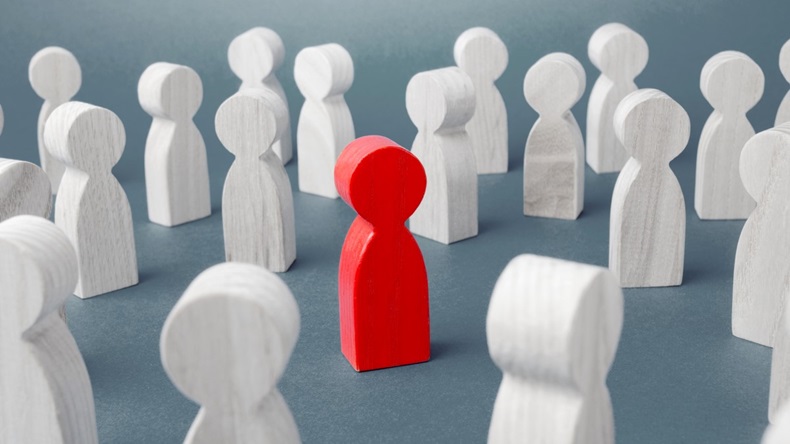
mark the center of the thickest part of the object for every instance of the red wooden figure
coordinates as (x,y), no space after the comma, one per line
(383,285)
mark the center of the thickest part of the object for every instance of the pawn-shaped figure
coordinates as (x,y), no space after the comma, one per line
(92,208)
(620,54)
(257,203)
(482,55)
(225,345)
(783,113)
(440,103)
(382,282)
(255,56)
(647,226)
(323,74)
(554,155)
(176,169)
(779,431)
(45,392)
(732,83)
(24,189)
(553,327)
(779,394)
(55,76)
(762,261)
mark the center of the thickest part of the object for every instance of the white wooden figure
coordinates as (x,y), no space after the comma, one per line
(55,76)
(45,392)
(783,113)
(779,431)
(24,189)
(92,208)
(762,262)
(647,229)
(733,84)
(176,169)
(257,202)
(481,54)
(323,74)
(225,345)
(554,153)
(2,120)
(440,103)
(779,393)
(620,54)
(553,327)
(255,56)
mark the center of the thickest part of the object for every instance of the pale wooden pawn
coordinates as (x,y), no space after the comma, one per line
(779,394)
(620,54)
(55,75)
(762,261)
(257,202)
(225,345)
(440,103)
(554,153)
(779,431)
(553,327)
(482,55)
(24,189)
(176,168)
(255,56)
(647,229)
(732,83)
(92,208)
(323,74)
(783,113)
(45,392)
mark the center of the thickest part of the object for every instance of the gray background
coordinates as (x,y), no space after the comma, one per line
(679,375)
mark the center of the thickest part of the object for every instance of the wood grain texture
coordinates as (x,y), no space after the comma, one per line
(382,281)
(732,83)
(225,345)
(647,228)
(92,208)
(24,189)
(255,56)
(783,113)
(257,202)
(779,431)
(779,393)
(323,74)
(176,169)
(762,263)
(45,392)
(620,54)
(553,327)
(440,103)
(482,55)
(554,153)
(55,76)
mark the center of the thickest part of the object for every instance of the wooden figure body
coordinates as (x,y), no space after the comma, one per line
(255,56)
(323,74)
(621,54)
(733,84)
(24,189)
(762,264)
(440,103)
(783,113)
(553,327)
(257,203)
(176,169)
(92,208)
(779,431)
(55,76)
(482,55)
(647,230)
(382,282)
(45,392)
(554,153)
(225,345)
(779,393)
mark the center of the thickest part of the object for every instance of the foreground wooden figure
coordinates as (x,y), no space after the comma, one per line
(482,55)
(779,431)
(55,76)
(176,169)
(553,327)
(92,208)
(647,229)
(257,203)
(225,345)
(783,113)
(779,393)
(24,189)
(732,83)
(762,260)
(45,392)
(554,154)
(255,56)
(382,282)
